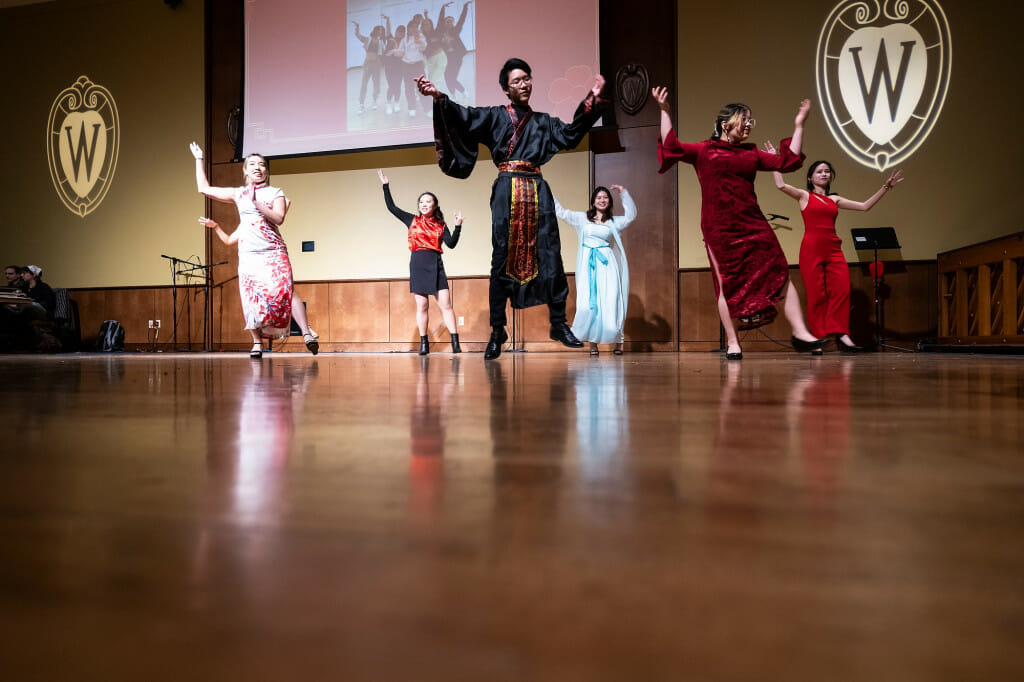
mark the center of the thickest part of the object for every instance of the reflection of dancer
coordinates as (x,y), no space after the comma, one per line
(602,273)
(426,269)
(526,259)
(750,269)
(451,41)
(373,65)
(412,47)
(435,59)
(394,69)
(264,270)
(822,264)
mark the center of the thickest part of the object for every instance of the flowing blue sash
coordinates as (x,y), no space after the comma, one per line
(595,257)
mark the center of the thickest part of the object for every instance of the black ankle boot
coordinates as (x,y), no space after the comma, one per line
(493,349)
(424,345)
(456,348)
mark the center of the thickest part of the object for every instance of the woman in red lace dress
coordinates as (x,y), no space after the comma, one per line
(751,272)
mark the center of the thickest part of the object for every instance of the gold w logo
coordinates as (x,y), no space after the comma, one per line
(882,72)
(82,144)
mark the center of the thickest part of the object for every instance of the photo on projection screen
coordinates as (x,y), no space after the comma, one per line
(330,75)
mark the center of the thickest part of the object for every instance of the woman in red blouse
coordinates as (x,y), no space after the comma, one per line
(426,270)
(751,272)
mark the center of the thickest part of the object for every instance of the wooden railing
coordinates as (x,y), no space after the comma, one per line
(981,293)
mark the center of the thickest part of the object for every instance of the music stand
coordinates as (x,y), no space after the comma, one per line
(875,238)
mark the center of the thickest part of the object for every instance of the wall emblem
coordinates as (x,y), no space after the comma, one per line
(631,87)
(82,138)
(882,71)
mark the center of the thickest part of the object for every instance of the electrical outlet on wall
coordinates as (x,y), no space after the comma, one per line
(462,321)
(151,324)
(156,324)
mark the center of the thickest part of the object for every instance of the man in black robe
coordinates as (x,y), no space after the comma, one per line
(526,257)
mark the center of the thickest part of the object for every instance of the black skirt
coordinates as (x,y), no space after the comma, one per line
(426,273)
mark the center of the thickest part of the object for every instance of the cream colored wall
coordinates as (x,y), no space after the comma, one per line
(343,211)
(961,184)
(150,58)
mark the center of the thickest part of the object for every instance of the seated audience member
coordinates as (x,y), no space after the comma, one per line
(38,290)
(13,274)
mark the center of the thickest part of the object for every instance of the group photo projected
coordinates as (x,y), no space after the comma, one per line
(326,75)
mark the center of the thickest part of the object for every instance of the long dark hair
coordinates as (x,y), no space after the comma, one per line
(810,172)
(592,211)
(725,114)
(437,214)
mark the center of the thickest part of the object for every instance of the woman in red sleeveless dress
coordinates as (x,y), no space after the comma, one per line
(822,264)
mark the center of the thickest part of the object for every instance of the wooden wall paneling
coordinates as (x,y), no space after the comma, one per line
(402,318)
(359,313)
(469,298)
(699,326)
(316,296)
(132,308)
(92,311)
(644,33)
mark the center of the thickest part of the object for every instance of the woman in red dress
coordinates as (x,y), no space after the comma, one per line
(822,264)
(751,272)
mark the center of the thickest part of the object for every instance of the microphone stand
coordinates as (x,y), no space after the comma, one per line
(178,269)
(208,279)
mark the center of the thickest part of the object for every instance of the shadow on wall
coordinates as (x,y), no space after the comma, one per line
(640,331)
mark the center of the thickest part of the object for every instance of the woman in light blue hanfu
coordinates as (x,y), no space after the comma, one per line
(602,273)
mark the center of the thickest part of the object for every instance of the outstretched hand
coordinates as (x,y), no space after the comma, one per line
(770,148)
(618,188)
(212,224)
(458,217)
(660,95)
(895,178)
(426,87)
(383,178)
(196,150)
(801,113)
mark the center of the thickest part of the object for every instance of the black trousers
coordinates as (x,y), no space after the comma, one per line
(498,299)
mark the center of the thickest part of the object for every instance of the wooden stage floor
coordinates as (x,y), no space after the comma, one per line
(546,516)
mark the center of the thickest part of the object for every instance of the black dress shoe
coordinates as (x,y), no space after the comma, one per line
(846,348)
(812,347)
(560,332)
(734,356)
(493,349)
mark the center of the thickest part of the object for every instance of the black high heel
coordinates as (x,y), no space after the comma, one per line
(424,345)
(847,348)
(812,347)
(456,348)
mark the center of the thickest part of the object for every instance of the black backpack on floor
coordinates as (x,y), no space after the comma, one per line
(111,337)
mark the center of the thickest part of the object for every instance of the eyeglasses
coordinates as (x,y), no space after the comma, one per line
(518,82)
(749,122)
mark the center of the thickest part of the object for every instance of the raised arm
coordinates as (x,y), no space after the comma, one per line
(451,237)
(363,39)
(405,217)
(895,178)
(796,145)
(225,194)
(661,97)
(780,182)
(628,207)
(228,239)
